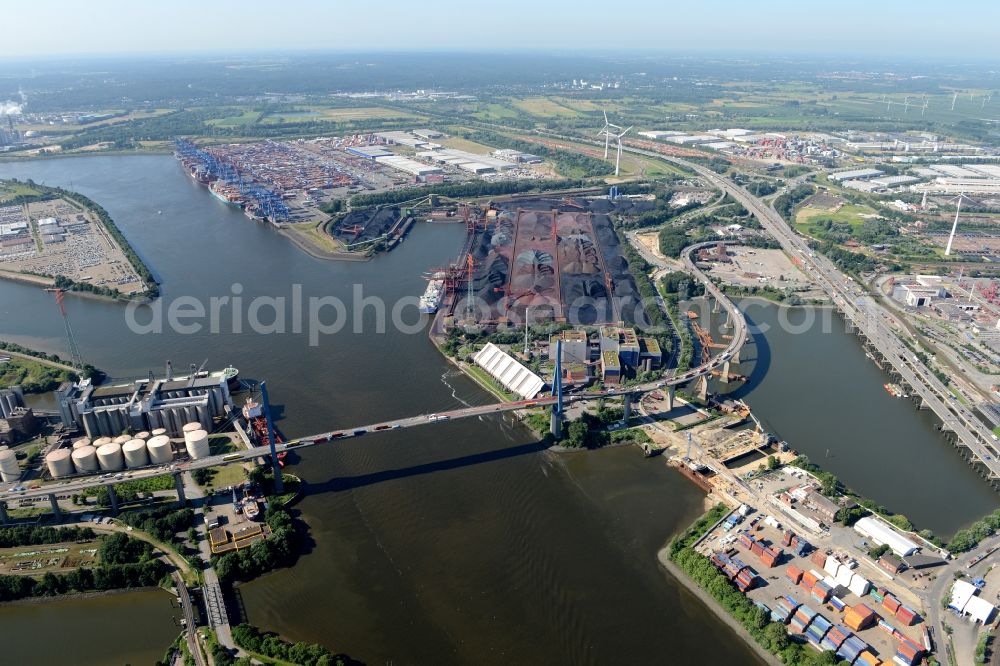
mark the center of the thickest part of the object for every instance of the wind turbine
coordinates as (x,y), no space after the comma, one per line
(954,226)
(906,104)
(954,98)
(619,137)
(606,131)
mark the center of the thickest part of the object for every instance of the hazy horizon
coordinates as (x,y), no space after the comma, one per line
(891,29)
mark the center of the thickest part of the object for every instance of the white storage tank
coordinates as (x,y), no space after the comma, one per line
(60,463)
(144,435)
(196,442)
(80,443)
(109,457)
(9,469)
(191,427)
(85,459)
(135,454)
(159,449)
(100,441)
(121,439)
(156,432)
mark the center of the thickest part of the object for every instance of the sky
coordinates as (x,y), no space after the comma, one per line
(963,29)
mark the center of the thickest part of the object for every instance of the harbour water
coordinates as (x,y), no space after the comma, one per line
(463,541)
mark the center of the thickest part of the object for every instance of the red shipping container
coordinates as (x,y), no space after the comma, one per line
(794,573)
(891,603)
(757,548)
(818,558)
(786,538)
(905,615)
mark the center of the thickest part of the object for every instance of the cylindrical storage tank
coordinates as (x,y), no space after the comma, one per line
(60,463)
(135,454)
(9,469)
(158,432)
(85,459)
(104,423)
(160,451)
(91,425)
(121,439)
(144,435)
(109,457)
(196,442)
(191,427)
(80,443)
(204,417)
(100,441)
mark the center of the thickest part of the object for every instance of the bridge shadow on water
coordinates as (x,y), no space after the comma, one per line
(342,483)
(761,361)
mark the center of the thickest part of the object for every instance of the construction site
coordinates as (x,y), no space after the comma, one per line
(545,259)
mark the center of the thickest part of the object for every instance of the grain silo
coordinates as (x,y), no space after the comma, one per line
(100,441)
(85,459)
(109,457)
(60,463)
(144,435)
(157,432)
(196,442)
(191,426)
(160,451)
(80,443)
(135,454)
(122,439)
(9,469)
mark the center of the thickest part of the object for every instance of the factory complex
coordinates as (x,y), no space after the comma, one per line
(145,404)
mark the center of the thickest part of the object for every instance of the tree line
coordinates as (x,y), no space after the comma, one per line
(271,645)
(36,535)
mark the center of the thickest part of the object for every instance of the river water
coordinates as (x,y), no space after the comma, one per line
(461,542)
(457,543)
(133,628)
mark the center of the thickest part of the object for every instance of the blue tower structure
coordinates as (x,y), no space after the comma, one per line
(557,408)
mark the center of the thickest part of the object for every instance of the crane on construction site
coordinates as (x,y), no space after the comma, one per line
(74,350)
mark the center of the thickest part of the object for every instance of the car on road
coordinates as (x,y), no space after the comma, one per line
(360,431)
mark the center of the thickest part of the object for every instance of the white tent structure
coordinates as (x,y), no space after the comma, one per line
(505,369)
(881,533)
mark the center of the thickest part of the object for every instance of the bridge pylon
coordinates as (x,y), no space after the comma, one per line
(555,427)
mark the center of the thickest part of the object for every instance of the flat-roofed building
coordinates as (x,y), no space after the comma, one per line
(611,369)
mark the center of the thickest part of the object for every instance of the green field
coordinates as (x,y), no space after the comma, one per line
(545,107)
(32,376)
(11,190)
(850,214)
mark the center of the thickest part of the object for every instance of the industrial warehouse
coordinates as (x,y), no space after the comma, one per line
(146,404)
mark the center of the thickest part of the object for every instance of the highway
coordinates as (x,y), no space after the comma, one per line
(76,485)
(870,319)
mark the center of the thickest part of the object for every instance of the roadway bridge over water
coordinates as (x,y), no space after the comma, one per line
(718,364)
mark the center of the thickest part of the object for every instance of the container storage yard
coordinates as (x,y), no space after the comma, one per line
(829,597)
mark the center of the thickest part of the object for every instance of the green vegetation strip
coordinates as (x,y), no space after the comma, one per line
(125,563)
